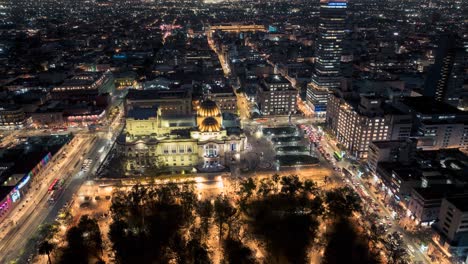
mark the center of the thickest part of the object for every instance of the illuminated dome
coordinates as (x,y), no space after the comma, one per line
(210,124)
(208,108)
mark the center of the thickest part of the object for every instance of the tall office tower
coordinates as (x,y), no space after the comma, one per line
(445,79)
(328,50)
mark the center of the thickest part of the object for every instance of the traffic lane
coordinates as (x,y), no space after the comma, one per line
(37,193)
(386,213)
(20,239)
(30,224)
(71,187)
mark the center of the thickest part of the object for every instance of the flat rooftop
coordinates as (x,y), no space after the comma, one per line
(276,78)
(157,94)
(429,106)
(142,113)
(22,158)
(460,202)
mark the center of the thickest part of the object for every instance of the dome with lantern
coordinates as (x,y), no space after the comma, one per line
(208,108)
(210,124)
(209,117)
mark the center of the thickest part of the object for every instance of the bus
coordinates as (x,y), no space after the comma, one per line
(53,186)
(337,156)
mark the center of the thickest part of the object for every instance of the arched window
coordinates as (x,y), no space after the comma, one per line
(211,150)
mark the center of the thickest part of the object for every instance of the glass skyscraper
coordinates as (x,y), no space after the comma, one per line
(328,50)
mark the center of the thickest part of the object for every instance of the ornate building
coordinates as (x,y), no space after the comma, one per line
(187,142)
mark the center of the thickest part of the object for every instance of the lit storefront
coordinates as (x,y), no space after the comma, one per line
(12,193)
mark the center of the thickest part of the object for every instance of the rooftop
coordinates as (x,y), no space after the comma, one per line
(216,89)
(23,157)
(429,106)
(460,202)
(142,113)
(9,107)
(439,191)
(276,78)
(157,94)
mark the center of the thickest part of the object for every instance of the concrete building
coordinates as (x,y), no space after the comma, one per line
(276,96)
(170,102)
(356,123)
(435,124)
(20,165)
(402,151)
(452,227)
(445,78)
(12,117)
(224,97)
(89,81)
(58,113)
(424,205)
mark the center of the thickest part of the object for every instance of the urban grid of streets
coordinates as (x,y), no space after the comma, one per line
(37,210)
(34,211)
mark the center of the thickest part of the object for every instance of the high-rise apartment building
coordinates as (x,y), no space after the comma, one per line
(328,49)
(445,78)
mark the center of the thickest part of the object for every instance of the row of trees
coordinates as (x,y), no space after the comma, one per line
(280,219)
(286,213)
(83,242)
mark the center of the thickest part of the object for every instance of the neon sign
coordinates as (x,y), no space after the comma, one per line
(15,195)
(337,4)
(23,182)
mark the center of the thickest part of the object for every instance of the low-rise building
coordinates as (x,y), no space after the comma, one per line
(88,81)
(12,117)
(402,151)
(224,97)
(436,125)
(170,102)
(424,204)
(20,165)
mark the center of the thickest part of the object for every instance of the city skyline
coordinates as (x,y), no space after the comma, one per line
(234,132)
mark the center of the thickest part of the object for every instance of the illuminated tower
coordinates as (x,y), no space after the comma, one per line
(328,51)
(445,79)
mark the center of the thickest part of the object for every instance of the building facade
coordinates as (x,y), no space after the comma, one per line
(331,31)
(276,96)
(12,117)
(357,124)
(436,125)
(452,227)
(402,151)
(182,143)
(446,77)
(169,102)
(90,81)
(225,98)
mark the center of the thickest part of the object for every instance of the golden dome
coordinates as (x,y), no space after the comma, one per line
(210,124)
(208,108)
